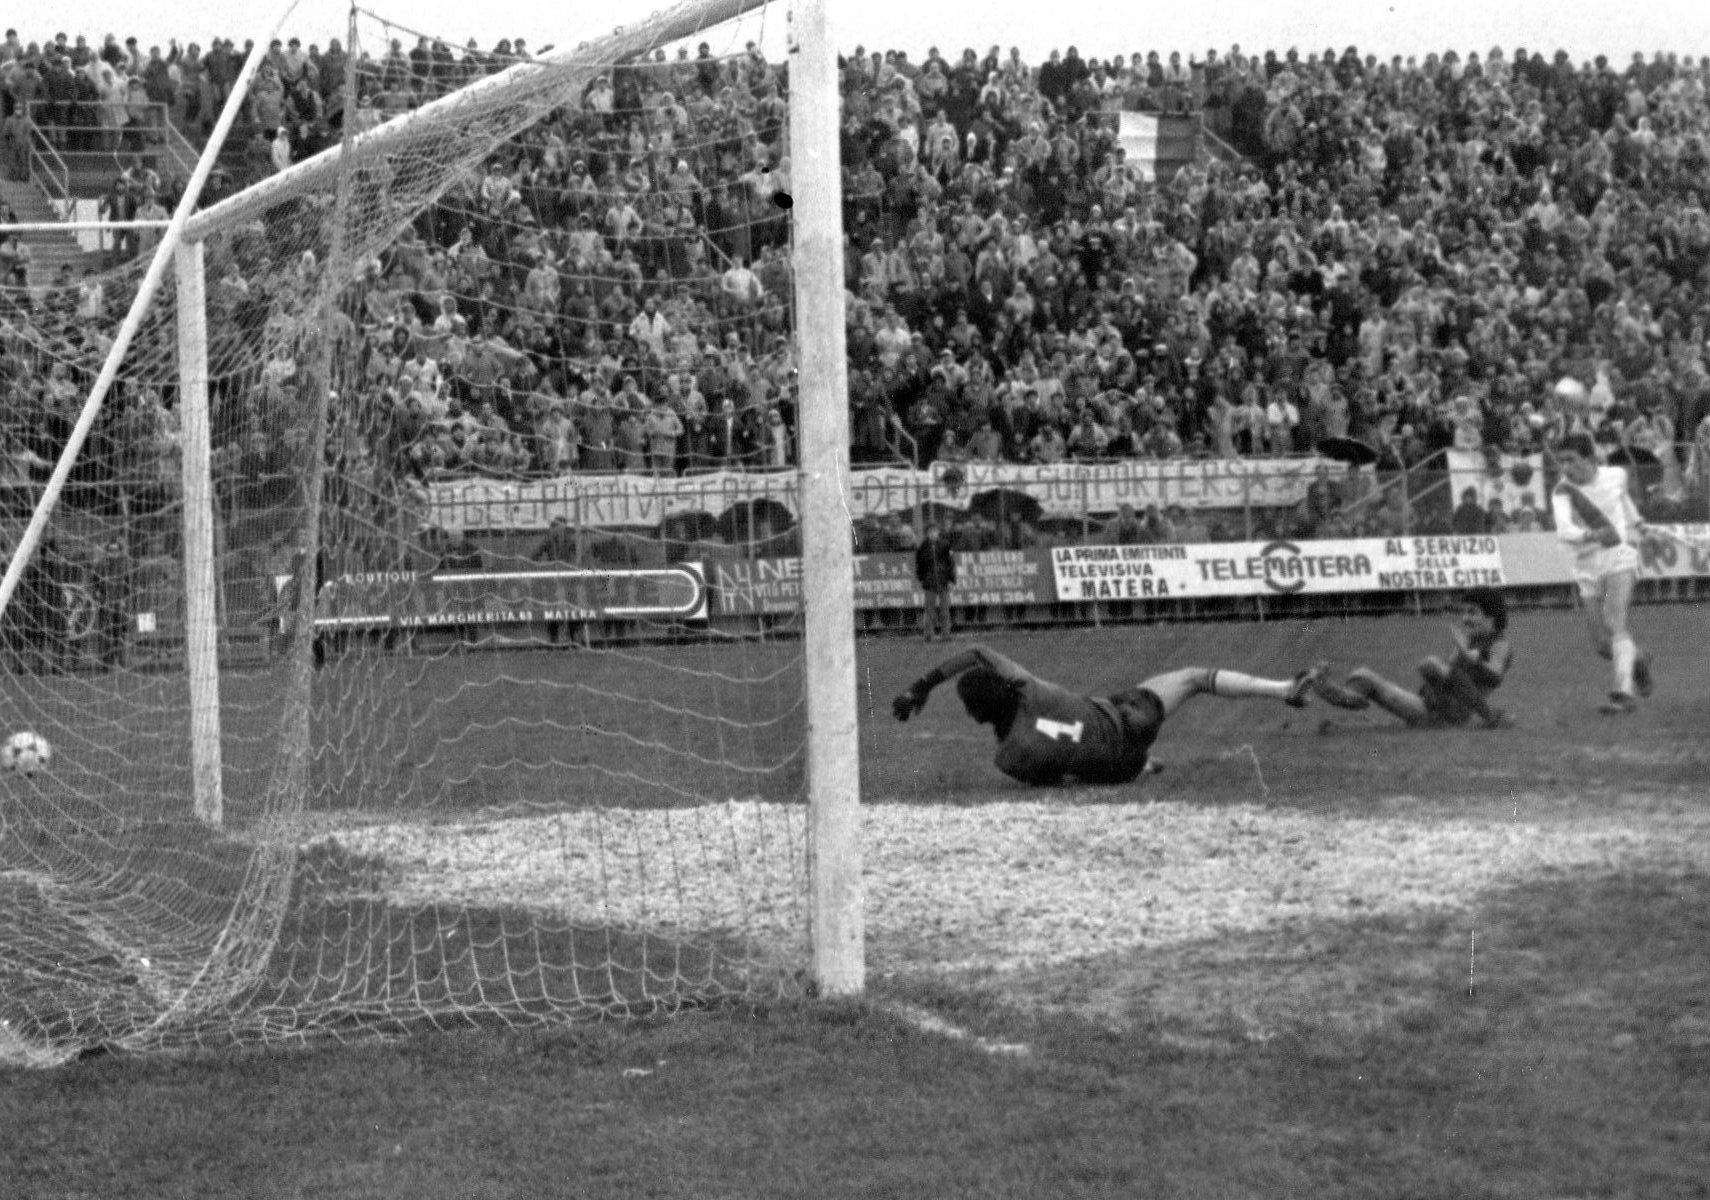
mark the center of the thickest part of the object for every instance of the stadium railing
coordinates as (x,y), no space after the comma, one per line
(86,149)
(49,171)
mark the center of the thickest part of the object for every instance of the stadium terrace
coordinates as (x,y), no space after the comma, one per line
(1133,257)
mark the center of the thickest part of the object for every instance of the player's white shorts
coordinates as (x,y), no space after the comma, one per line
(1592,571)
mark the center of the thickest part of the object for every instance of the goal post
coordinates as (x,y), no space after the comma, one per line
(287,800)
(828,572)
(201,617)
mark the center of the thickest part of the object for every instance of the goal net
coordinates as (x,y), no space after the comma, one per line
(493,373)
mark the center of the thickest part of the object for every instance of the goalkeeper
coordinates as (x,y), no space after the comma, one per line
(1047,733)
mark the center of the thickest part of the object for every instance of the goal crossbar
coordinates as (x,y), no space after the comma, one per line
(318,172)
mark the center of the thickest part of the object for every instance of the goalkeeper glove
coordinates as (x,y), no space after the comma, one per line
(909,702)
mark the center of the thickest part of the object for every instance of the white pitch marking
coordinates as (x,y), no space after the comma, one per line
(923,1020)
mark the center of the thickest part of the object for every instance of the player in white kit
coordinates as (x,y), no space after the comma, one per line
(1600,525)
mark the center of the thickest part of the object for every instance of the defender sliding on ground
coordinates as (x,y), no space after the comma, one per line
(1047,733)
(1453,692)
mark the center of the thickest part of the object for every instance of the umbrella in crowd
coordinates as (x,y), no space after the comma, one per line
(693,526)
(1000,504)
(1348,450)
(749,520)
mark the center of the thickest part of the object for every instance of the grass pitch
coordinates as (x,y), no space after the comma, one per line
(1540,1032)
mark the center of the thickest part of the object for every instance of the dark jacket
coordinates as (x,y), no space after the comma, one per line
(934,565)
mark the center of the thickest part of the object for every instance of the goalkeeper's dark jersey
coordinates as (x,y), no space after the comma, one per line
(1056,733)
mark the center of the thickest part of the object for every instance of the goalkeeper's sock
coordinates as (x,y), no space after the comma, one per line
(1625,652)
(1233,685)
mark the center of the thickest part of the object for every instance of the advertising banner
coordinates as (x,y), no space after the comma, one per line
(1077,574)
(401,600)
(773,585)
(1674,552)
(1670,552)
(1090,573)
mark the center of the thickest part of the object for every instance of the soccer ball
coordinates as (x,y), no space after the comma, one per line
(1571,391)
(26,753)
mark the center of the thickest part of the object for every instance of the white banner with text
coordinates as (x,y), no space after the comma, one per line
(1276,568)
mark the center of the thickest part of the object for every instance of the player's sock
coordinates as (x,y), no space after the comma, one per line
(1625,653)
(1234,685)
(1642,679)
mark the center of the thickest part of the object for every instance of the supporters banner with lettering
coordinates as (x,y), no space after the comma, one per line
(1093,573)
(1061,490)
(1072,489)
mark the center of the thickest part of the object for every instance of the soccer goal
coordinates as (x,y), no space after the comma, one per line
(372,704)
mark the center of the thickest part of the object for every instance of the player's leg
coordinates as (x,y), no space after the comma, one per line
(1624,647)
(1457,694)
(1391,697)
(1174,688)
(1591,593)
(1434,669)
(944,625)
(1623,651)
(1340,695)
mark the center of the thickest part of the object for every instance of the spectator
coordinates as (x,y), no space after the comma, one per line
(1125,529)
(777,445)
(1469,516)
(663,428)
(1495,518)
(935,572)
(1282,419)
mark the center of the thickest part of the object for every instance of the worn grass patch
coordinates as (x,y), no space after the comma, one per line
(1576,1063)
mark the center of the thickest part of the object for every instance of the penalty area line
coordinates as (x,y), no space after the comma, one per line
(928,1022)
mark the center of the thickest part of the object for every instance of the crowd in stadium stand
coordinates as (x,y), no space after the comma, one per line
(1403,254)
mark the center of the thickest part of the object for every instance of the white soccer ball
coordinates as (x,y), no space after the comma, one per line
(1571,391)
(26,753)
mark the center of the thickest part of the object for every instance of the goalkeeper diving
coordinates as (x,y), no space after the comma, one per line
(1047,733)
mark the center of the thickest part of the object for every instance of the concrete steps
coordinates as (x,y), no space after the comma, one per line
(49,250)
